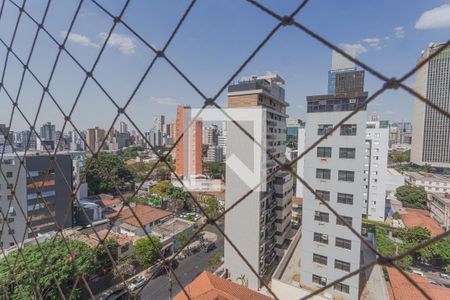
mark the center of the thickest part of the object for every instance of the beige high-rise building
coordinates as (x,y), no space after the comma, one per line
(94,138)
(430,128)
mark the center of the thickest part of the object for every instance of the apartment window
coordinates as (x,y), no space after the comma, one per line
(323,173)
(347,152)
(346,176)
(11,231)
(321,238)
(319,280)
(348,129)
(341,265)
(319,259)
(347,219)
(9,197)
(324,128)
(321,216)
(344,198)
(9,174)
(323,151)
(325,195)
(341,287)
(343,243)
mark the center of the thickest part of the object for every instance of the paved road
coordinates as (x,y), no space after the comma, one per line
(187,270)
(435,277)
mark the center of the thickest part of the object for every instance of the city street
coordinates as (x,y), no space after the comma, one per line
(187,270)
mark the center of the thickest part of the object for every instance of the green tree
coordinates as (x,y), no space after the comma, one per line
(214,262)
(396,216)
(146,252)
(101,254)
(105,170)
(211,205)
(214,170)
(161,188)
(399,156)
(59,264)
(132,152)
(412,196)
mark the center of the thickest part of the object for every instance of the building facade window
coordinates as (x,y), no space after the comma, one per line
(342,265)
(9,174)
(347,219)
(319,280)
(348,129)
(344,198)
(323,151)
(341,287)
(319,259)
(343,243)
(323,173)
(348,153)
(325,195)
(321,216)
(321,238)
(346,176)
(324,128)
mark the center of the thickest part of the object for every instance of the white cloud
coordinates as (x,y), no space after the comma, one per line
(123,42)
(79,39)
(435,18)
(164,100)
(399,32)
(372,42)
(356,48)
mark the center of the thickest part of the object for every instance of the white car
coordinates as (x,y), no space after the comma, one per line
(136,283)
(444,275)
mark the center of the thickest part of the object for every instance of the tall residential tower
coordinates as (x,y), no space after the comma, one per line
(259,225)
(335,169)
(430,128)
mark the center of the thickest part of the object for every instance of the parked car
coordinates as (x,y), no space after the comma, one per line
(136,282)
(417,272)
(208,247)
(118,295)
(161,270)
(444,275)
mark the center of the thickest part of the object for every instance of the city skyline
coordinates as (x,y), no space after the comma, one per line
(393,46)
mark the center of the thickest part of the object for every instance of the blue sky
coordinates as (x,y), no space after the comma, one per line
(215,39)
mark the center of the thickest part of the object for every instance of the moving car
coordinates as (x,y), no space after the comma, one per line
(136,282)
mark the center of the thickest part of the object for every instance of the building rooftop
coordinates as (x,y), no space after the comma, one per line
(401,289)
(412,217)
(424,176)
(444,197)
(144,213)
(171,227)
(211,287)
(91,239)
(393,172)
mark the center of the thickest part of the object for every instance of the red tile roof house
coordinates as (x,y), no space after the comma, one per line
(127,224)
(211,287)
(400,288)
(418,217)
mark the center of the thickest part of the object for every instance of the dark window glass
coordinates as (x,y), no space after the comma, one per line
(347,153)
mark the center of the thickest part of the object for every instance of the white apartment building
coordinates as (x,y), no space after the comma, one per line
(335,170)
(439,205)
(259,225)
(375,168)
(432,183)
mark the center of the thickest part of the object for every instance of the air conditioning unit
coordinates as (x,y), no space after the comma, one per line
(325,237)
(323,281)
(352,101)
